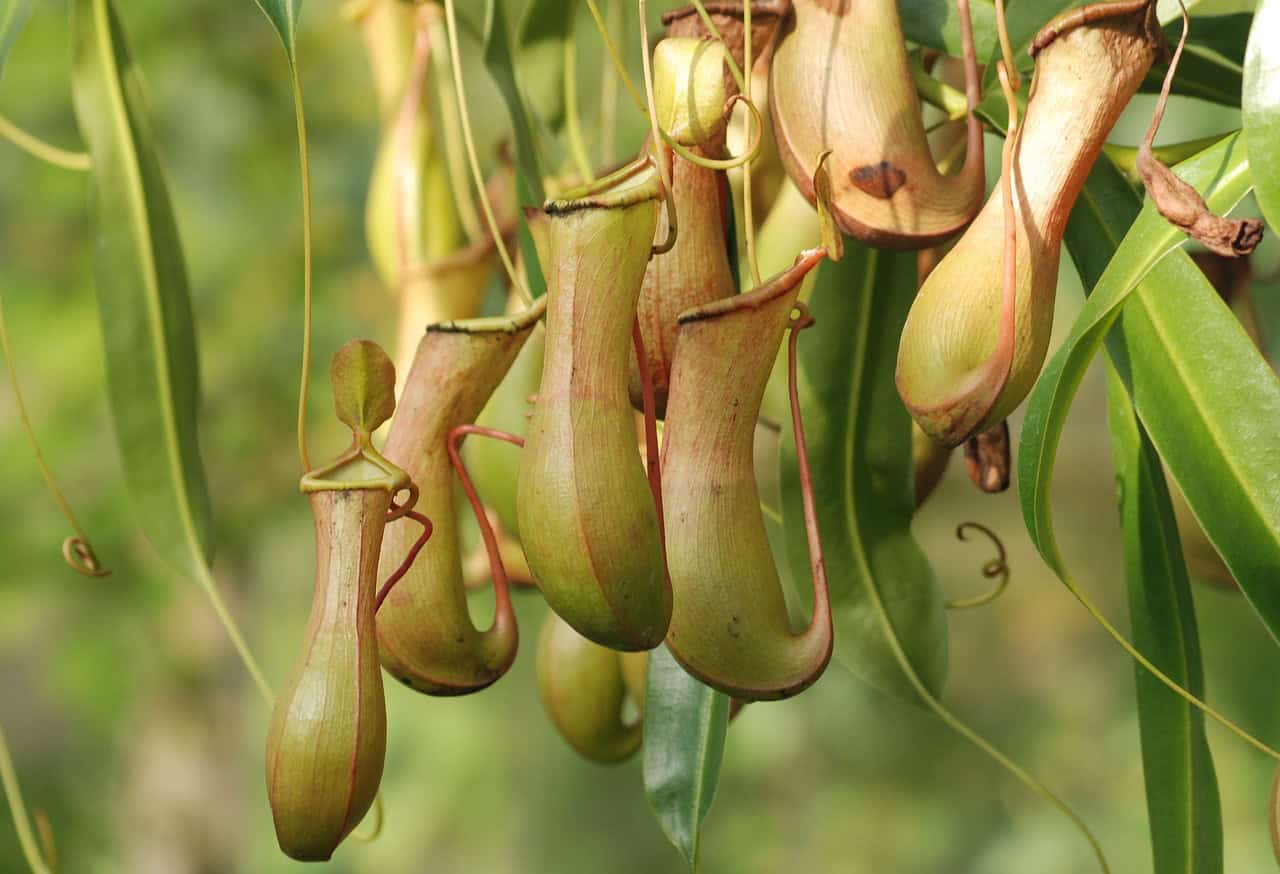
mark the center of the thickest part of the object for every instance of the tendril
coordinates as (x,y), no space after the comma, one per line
(26,838)
(799,321)
(753,147)
(748,217)
(38,148)
(304,169)
(375,828)
(654,129)
(501,590)
(612,48)
(996,569)
(652,461)
(669,197)
(44,828)
(451,127)
(80,557)
(468,138)
(76,549)
(398,511)
(734,69)
(408,559)
(1006,49)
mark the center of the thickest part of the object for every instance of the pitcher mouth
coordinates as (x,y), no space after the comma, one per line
(783,283)
(632,184)
(514,324)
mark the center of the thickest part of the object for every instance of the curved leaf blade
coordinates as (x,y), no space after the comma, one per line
(542,38)
(1182,792)
(500,61)
(859,440)
(936,25)
(1206,397)
(1261,107)
(1221,173)
(685,724)
(1182,787)
(283,15)
(145,305)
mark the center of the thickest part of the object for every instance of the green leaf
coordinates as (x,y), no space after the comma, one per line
(1148,240)
(685,724)
(1211,62)
(1182,788)
(1210,67)
(1182,791)
(545,29)
(283,15)
(501,64)
(1206,397)
(364,386)
(143,299)
(935,24)
(11,22)
(1261,105)
(859,439)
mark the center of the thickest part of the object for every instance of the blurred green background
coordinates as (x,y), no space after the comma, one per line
(137,731)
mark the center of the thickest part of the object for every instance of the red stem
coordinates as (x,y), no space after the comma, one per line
(653,464)
(821,595)
(408,559)
(501,591)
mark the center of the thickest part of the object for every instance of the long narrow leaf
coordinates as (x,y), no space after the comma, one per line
(1261,104)
(859,438)
(143,298)
(1221,173)
(500,61)
(684,733)
(1182,788)
(546,27)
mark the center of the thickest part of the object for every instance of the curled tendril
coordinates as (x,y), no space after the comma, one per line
(996,569)
(753,148)
(669,196)
(800,317)
(80,557)
(399,511)
(375,829)
(413,551)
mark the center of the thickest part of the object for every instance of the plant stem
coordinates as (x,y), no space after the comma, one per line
(26,838)
(664,172)
(204,577)
(468,137)
(937,93)
(734,69)
(617,58)
(304,162)
(24,417)
(46,152)
(453,147)
(748,218)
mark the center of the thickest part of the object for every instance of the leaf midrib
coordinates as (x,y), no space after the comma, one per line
(138,214)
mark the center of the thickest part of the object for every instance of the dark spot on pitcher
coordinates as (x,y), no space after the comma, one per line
(879,180)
